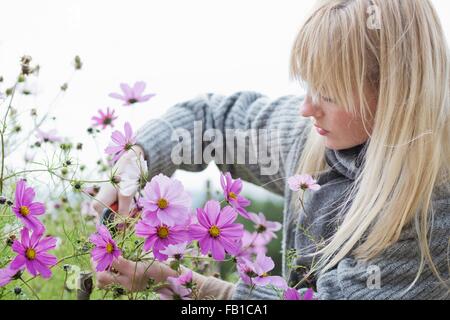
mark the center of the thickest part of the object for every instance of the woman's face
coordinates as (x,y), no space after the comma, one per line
(340,129)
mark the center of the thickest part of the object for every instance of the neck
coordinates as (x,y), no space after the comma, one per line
(348,161)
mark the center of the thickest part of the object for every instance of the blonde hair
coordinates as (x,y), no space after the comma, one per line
(406,61)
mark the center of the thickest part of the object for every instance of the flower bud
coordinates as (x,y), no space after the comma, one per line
(77,63)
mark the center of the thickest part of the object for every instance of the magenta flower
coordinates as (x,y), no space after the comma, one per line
(160,237)
(186,279)
(261,267)
(121,143)
(265,229)
(231,190)
(175,251)
(256,273)
(106,250)
(217,233)
(309,295)
(175,291)
(6,275)
(303,182)
(164,201)
(49,136)
(27,210)
(251,244)
(293,294)
(132,95)
(32,253)
(245,270)
(105,119)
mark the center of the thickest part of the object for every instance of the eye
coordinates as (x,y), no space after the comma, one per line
(327,99)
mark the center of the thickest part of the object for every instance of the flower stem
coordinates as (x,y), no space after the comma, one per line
(29,287)
(2,137)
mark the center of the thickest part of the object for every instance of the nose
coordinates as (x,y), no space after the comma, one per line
(309,109)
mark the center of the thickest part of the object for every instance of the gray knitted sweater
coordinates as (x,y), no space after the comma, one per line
(387,277)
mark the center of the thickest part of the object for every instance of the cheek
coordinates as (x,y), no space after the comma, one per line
(347,125)
(342,121)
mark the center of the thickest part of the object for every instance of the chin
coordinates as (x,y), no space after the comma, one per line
(340,146)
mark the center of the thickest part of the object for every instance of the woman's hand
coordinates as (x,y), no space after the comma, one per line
(134,276)
(110,194)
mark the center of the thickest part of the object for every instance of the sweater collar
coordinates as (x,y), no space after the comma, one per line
(346,162)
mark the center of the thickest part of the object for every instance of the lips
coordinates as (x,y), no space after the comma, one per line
(321,128)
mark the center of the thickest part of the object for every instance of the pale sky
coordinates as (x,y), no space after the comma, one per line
(179,48)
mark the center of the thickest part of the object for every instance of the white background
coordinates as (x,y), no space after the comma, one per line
(179,48)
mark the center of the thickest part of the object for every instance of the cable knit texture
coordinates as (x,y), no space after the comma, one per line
(350,279)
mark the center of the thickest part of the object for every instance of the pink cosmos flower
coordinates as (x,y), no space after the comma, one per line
(160,237)
(164,201)
(121,143)
(106,250)
(293,294)
(105,119)
(258,272)
(175,251)
(175,291)
(245,270)
(186,279)
(309,295)
(32,253)
(265,229)
(6,275)
(132,95)
(251,244)
(49,136)
(262,266)
(132,171)
(217,233)
(303,182)
(27,210)
(231,190)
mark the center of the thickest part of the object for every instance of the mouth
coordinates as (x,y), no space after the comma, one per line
(321,131)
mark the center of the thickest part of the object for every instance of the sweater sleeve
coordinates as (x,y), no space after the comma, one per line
(276,123)
(390,275)
(245,292)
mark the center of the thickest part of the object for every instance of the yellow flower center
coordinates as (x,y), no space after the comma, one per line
(214,231)
(109,248)
(265,274)
(31,254)
(232,195)
(163,203)
(163,232)
(24,210)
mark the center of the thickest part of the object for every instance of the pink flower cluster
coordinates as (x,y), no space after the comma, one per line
(180,288)
(32,248)
(169,227)
(130,95)
(167,219)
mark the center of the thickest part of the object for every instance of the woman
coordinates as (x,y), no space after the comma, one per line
(375,133)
